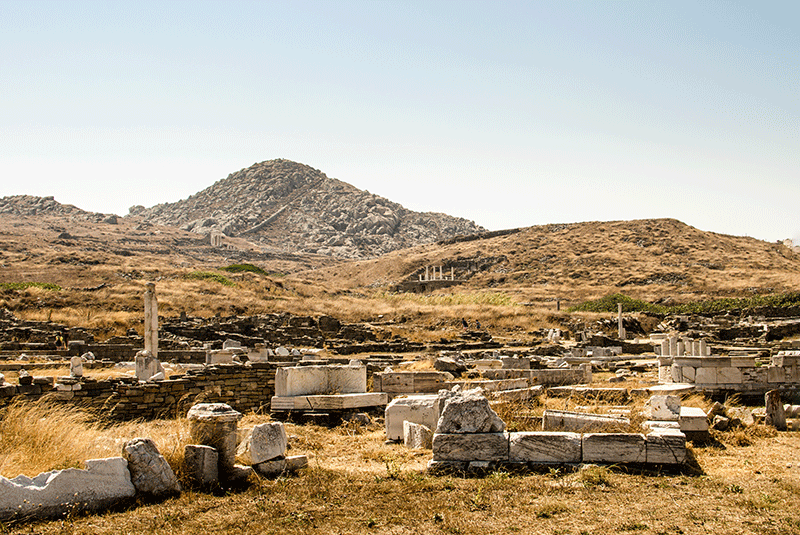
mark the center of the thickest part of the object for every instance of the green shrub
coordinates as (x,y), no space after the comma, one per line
(710,306)
(243,268)
(24,285)
(210,276)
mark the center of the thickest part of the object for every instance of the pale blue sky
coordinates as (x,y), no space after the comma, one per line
(506,113)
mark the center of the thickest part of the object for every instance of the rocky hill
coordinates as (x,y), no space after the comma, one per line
(290,207)
(650,259)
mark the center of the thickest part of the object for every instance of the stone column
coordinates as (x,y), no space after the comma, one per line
(452,276)
(426,273)
(215,425)
(673,346)
(620,328)
(703,348)
(151,320)
(665,348)
(679,349)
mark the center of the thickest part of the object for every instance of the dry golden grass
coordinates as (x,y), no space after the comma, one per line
(357,484)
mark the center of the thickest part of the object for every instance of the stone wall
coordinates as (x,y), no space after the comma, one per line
(734,374)
(246,387)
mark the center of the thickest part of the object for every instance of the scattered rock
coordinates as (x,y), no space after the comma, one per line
(150,472)
(469,412)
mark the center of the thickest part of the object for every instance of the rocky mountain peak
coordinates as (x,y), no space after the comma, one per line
(291,207)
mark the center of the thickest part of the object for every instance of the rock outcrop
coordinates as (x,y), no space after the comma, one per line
(287,206)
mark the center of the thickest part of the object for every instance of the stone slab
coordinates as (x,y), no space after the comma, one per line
(554,420)
(293,381)
(416,436)
(53,494)
(706,375)
(423,410)
(665,446)
(331,402)
(541,447)
(470,447)
(614,448)
(693,419)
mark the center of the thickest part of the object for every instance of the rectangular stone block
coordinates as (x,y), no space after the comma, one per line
(676,373)
(688,373)
(309,380)
(470,447)
(544,447)
(329,402)
(422,410)
(665,446)
(553,420)
(776,374)
(693,419)
(416,436)
(729,375)
(743,362)
(706,376)
(614,448)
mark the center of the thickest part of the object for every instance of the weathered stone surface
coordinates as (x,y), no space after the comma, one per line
(775,416)
(470,447)
(147,366)
(693,419)
(554,420)
(200,464)
(333,402)
(544,447)
(50,494)
(663,407)
(309,380)
(665,446)
(469,412)
(215,425)
(150,472)
(614,448)
(265,442)
(316,214)
(449,364)
(423,410)
(276,467)
(417,436)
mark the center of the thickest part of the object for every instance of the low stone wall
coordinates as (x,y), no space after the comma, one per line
(734,374)
(470,451)
(545,376)
(247,387)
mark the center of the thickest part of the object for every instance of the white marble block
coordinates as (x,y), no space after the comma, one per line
(663,407)
(614,448)
(265,442)
(666,446)
(417,436)
(422,410)
(544,447)
(693,419)
(470,447)
(53,494)
(305,380)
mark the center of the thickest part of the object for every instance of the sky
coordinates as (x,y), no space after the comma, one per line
(510,114)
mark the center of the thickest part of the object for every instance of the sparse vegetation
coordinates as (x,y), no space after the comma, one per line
(243,268)
(26,285)
(210,276)
(711,306)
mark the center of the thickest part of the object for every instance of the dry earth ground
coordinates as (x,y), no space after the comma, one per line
(743,482)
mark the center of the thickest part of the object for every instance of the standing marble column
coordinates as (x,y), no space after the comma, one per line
(151,320)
